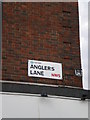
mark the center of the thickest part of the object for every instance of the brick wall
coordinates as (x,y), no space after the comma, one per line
(40,31)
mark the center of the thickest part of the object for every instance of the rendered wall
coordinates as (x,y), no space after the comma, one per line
(16,106)
(40,31)
(0,106)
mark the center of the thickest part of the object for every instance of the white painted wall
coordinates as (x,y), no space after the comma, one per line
(0,106)
(17,106)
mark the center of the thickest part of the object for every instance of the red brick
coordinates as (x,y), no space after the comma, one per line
(40,31)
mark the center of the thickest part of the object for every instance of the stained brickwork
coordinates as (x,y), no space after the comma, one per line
(40,31)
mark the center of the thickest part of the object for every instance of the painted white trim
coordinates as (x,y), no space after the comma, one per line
(39,95)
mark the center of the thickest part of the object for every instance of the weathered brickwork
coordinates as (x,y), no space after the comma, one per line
(40,31)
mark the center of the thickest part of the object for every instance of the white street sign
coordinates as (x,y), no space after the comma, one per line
(44,69)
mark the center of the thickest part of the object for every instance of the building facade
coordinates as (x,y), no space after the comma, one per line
(40,31)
